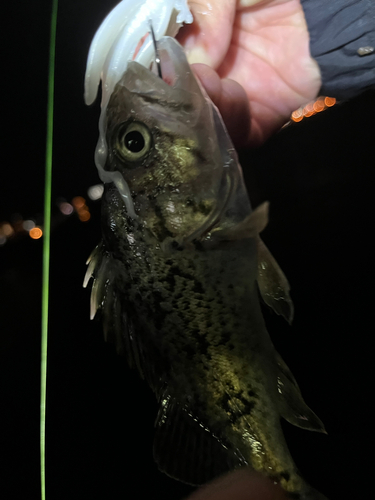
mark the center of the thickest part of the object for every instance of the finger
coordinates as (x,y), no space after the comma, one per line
(240,485)
(231,100)
(210,81)
(207,39)
(235,110)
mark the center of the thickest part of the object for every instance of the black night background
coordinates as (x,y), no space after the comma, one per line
(319,176)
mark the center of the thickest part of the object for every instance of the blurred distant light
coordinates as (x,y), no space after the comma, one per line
(35,233)
(84,215)
(312,108)
(308,110)
(6,230)
(318,105)
(66,208)
(28,224)
(329,101)
(78,202)
(297,115)
(3,240)
(95,192)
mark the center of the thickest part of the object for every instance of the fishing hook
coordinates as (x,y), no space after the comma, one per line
(157,57)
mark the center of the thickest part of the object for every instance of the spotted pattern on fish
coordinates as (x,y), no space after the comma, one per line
(187,292)
(177,276)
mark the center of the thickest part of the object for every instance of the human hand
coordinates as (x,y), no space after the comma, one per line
(263,45)
(240,485)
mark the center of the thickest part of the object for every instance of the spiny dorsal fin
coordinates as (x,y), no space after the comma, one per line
(291,405)
(273,285)
(187,451)
(118,324)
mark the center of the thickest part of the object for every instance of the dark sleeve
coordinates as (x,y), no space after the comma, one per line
(340,31)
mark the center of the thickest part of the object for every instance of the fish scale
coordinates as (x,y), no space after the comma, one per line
(215,365)
(178,279)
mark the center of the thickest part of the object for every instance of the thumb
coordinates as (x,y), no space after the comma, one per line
(240,485)
(207,39)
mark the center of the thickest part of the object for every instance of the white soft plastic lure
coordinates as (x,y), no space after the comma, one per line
(114,45)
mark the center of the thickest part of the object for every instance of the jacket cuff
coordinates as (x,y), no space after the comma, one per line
(342,41)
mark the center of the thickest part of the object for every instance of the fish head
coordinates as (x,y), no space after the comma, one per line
(168,142)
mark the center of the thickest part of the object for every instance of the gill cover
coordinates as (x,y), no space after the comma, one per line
(177,107)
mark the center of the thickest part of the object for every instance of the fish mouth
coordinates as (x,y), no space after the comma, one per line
(120,38)
(178,88)
(177,85)
(171,64)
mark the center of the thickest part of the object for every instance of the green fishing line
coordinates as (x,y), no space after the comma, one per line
(46,248)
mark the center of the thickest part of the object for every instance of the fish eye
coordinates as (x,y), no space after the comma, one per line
(133,141)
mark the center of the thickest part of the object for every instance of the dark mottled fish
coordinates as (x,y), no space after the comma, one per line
(178,282)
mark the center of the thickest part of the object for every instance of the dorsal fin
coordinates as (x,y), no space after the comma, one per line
(118,325)
(291,405)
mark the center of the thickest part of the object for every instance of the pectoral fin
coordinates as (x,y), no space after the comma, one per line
(273,285)
(250,227)
(291,405)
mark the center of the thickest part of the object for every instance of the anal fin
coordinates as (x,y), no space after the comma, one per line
(291,405)
(187,451)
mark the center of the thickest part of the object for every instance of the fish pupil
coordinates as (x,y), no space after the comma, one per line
(134,141)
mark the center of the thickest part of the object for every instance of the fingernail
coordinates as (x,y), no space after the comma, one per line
(199,55)
(248,3)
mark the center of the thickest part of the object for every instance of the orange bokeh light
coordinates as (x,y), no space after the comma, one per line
(7,230)
(308,108)
(82,209)
(84,216)
(318,105)
(329,101)
(78,202)
(297,113)
(35,233)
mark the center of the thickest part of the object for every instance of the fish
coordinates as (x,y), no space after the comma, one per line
(178,278)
